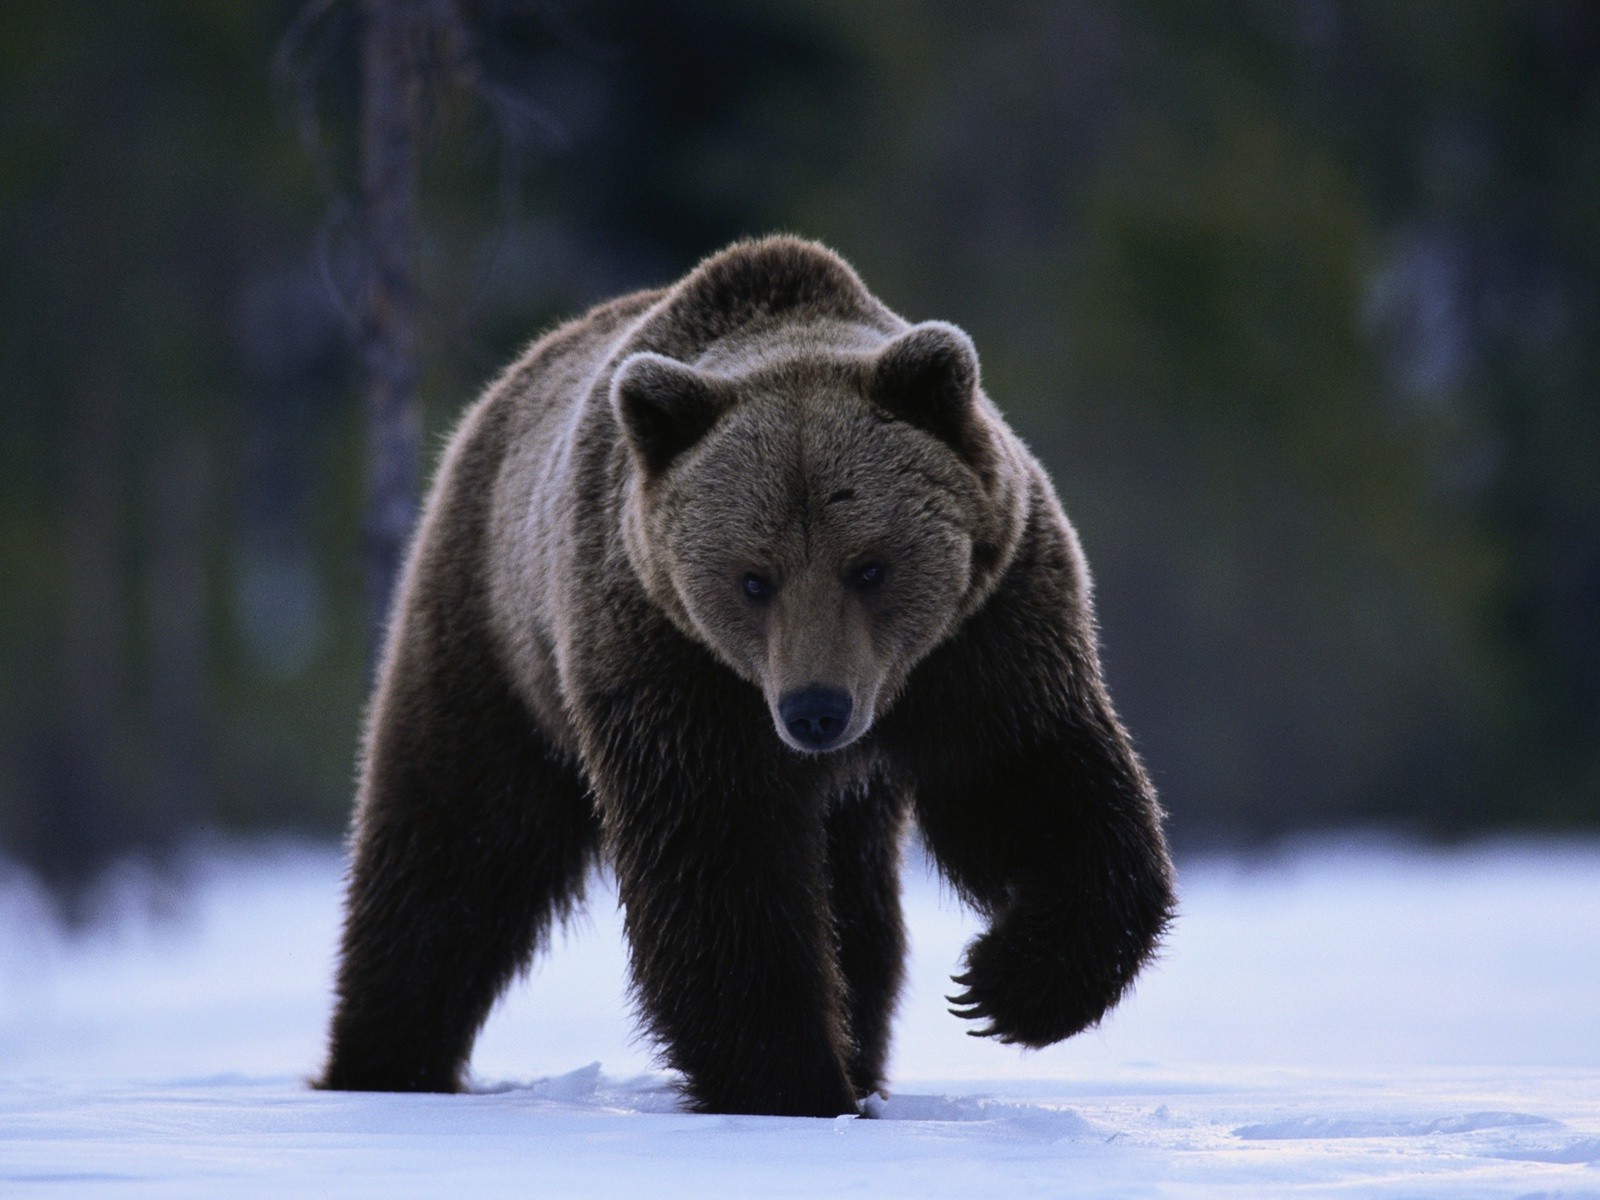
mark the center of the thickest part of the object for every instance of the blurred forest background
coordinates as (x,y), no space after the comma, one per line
(1299,300)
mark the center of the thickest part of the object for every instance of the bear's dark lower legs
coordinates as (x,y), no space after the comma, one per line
(864,893)
(471,838)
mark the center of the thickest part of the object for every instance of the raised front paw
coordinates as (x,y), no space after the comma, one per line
(1031,987)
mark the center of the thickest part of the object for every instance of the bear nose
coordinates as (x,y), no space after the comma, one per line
(816,716)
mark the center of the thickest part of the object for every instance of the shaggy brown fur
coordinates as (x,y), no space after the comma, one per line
(687,543)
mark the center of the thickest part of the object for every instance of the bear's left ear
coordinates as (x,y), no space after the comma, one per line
(665,406)
(928,377)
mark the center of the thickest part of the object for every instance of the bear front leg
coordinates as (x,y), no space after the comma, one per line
(864,893)
(471,836)
(1032,800)
(1059,843)
(718,843)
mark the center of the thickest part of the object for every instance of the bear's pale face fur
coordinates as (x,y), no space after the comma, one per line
(859,528)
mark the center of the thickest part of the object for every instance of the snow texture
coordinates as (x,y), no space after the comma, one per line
(1347,1022)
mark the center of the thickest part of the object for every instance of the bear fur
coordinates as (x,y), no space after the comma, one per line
(725,584)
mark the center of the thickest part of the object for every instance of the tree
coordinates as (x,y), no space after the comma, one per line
(394,37)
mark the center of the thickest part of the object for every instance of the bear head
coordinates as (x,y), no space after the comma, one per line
(820,519)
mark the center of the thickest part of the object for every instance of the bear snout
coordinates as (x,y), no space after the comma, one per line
(815,716)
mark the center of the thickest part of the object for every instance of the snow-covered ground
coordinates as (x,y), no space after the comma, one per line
(1339,1021)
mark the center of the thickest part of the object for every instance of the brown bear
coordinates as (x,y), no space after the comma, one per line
(721,584)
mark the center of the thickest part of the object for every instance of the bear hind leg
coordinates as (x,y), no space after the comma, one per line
(473,838)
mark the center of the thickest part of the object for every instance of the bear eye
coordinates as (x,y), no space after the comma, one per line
(867,576)
(757,587)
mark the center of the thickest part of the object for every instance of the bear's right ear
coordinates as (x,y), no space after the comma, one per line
(664,406)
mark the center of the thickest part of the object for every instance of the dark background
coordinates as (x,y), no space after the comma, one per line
(1298,300)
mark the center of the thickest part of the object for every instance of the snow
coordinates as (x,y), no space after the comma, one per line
(1338,1021)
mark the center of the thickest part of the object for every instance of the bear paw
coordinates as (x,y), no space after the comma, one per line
(1029,988)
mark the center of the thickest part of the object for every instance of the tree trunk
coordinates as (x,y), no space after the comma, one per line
(393,36)
(182,779)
